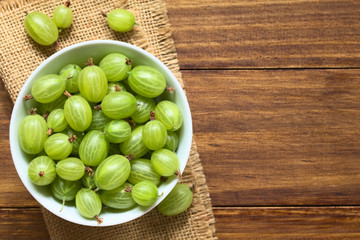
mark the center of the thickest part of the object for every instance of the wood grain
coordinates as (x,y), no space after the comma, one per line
(22,223)
(278,137)
(232,223)
(12,191)
(266,34)
(288,223)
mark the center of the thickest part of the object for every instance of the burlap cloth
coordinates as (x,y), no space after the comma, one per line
(19,56)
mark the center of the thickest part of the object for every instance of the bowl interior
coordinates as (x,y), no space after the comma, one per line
(78,54)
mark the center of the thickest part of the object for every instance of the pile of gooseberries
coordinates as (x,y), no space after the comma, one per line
(103,135)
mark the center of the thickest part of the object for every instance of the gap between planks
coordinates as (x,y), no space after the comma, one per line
(268,69)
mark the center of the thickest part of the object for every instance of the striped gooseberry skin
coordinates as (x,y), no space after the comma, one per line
(178,200)
(32,134)
(99,120)
(49,107)
(165,162)
(88,180)
(41,171)
(76,143)
(144,106)
(147,81)
(118,198)
(93,148)
(71,169)
(118,105)
(172,141)
(169,114)
(145,193)
(88,203)
(78,113)
(93,83)
(58,146)
(64,190)
(142,170)
(56,120)
(120,20)
(71,73)
(154,135)
(41,28)
(115,66)
(117,131)
(112,87)
(134,144)
(48,88)
(112,172)
(63,16)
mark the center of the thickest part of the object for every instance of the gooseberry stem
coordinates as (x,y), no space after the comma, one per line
(152,115)
(128,189)
(99,220)
(62,207)
(89,169)
(117,88)
(135,23)
(130,157)
(49,132)
(27,97)
(97,107)
(104,14)
(67,3)
(45,115)
(32,111)
(72,138)
(170,89)
(131,123)
(178,173)
(128,61)
(90,62)
(67,94)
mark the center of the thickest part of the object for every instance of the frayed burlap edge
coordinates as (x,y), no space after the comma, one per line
(169,56)
(166,52)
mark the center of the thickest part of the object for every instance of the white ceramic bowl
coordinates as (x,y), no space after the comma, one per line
(78,54)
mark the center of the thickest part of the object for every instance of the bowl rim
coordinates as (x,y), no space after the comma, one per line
(18,104)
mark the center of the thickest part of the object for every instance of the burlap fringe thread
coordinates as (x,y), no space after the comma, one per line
(154,36)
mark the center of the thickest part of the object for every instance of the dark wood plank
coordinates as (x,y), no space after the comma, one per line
(266,34)
(278,137)
(22,223)
(288,223)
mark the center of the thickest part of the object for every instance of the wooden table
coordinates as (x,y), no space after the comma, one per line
(274,89)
